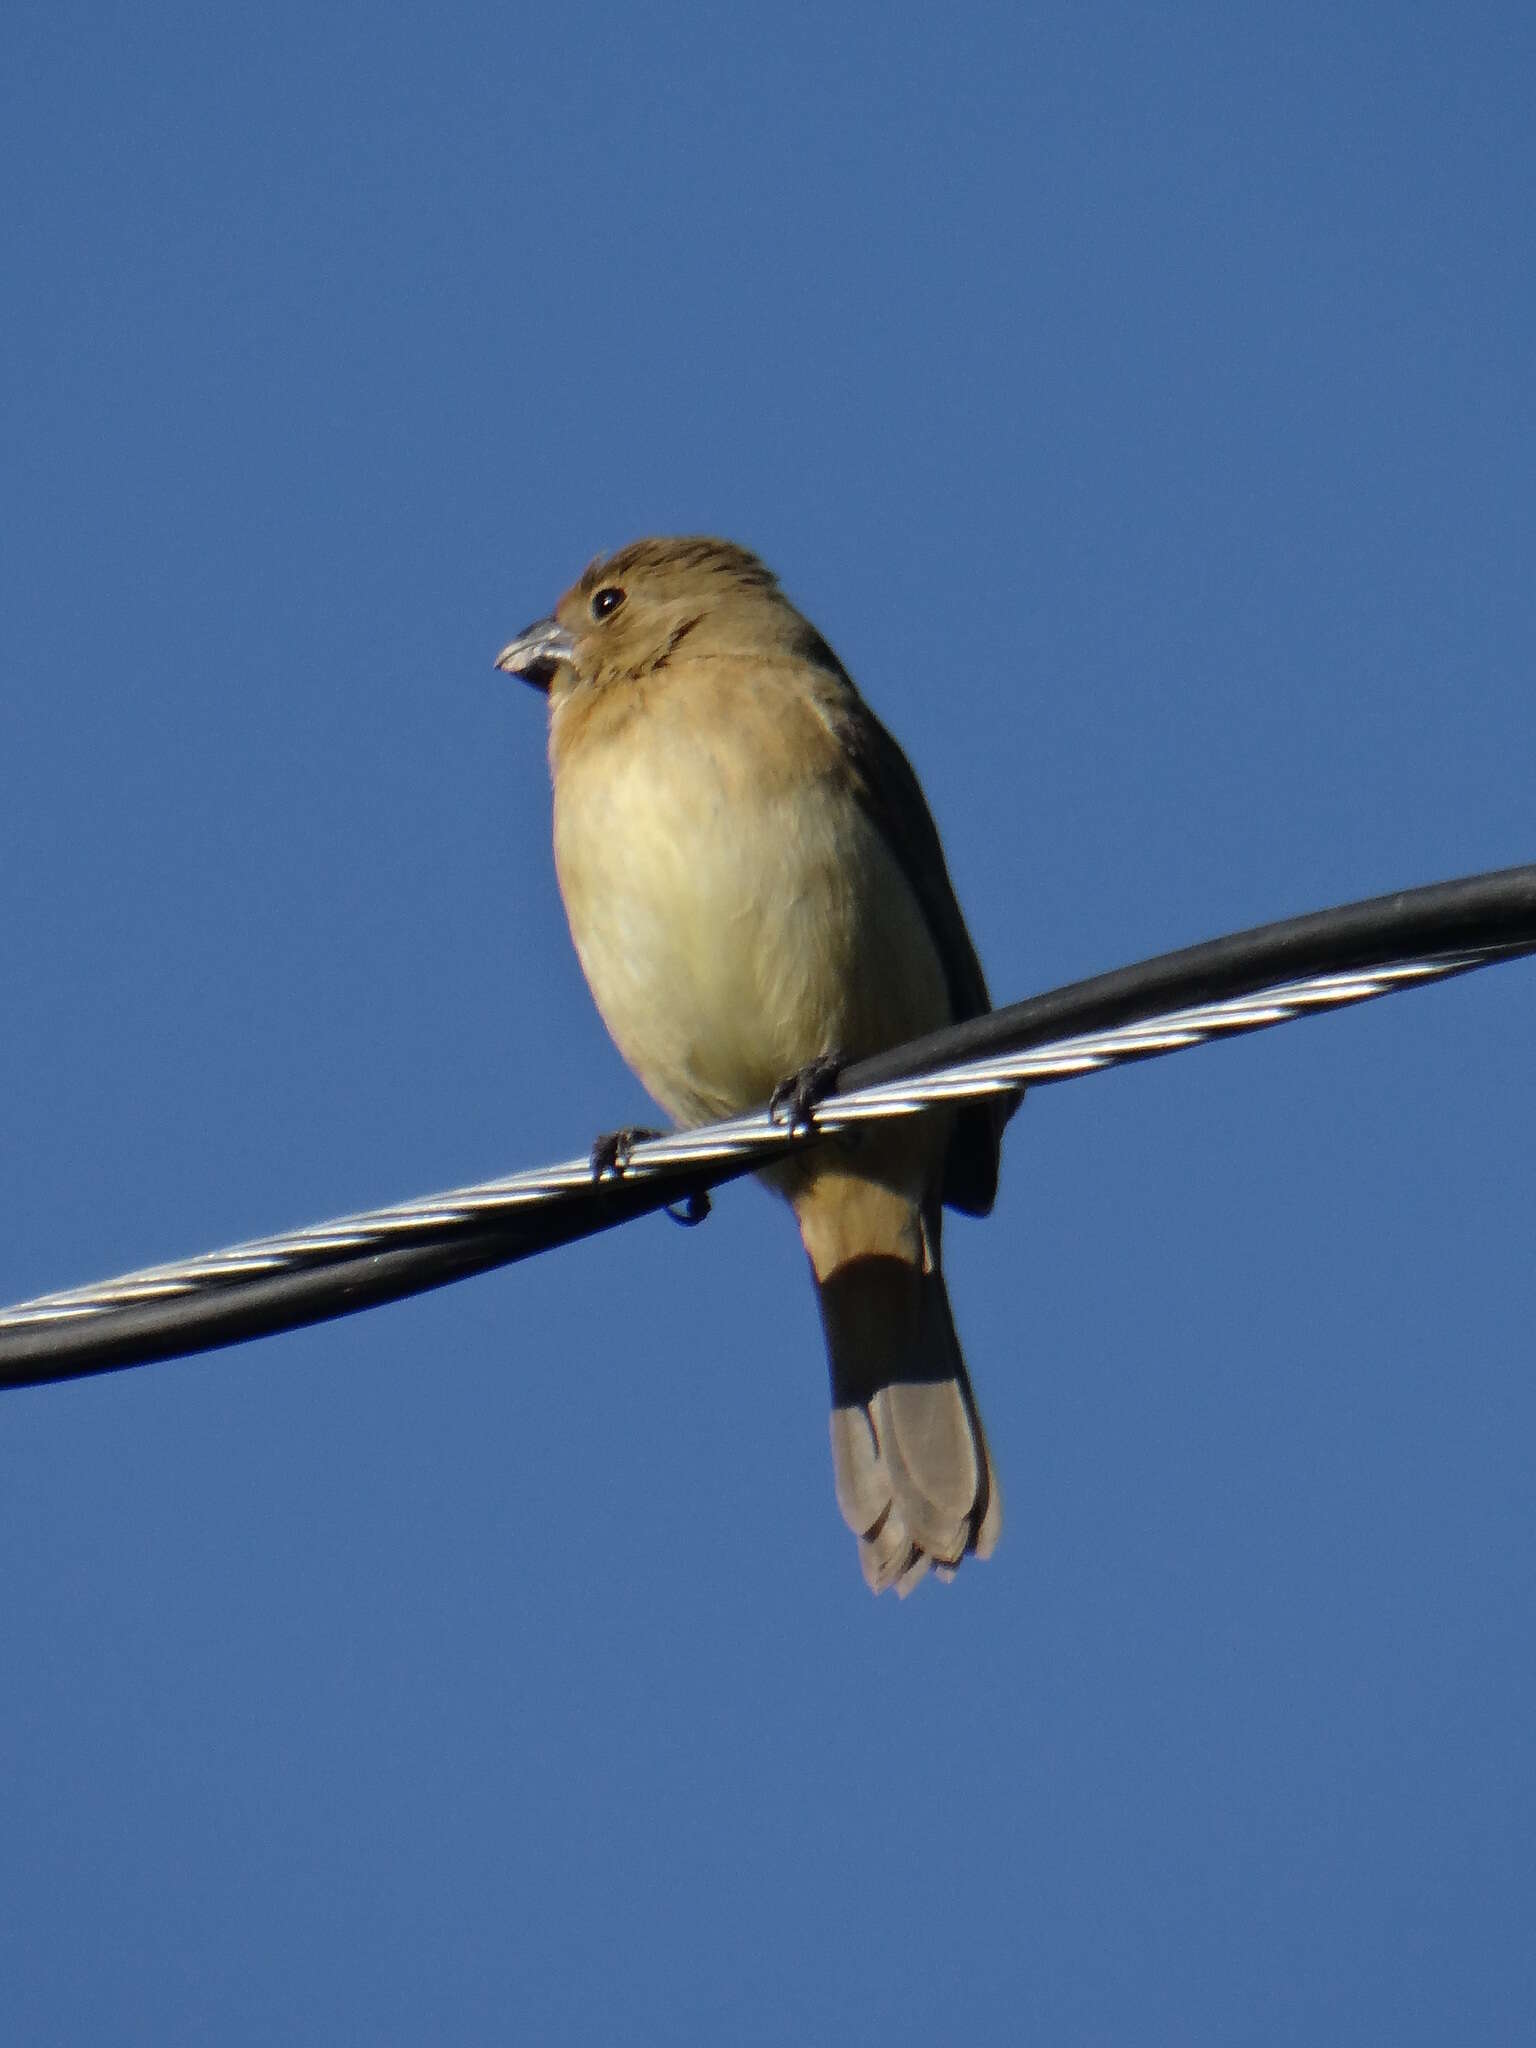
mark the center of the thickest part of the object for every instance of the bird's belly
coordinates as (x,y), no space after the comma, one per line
(730,932)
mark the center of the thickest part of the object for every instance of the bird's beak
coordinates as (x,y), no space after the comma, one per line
(537,652)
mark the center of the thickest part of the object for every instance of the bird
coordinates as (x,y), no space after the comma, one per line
(757,894)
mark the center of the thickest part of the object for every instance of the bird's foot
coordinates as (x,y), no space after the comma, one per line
(611,1154)
(691,1210)
(611,1151)
(793,1100)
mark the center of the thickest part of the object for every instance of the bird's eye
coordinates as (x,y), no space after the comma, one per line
(607,601)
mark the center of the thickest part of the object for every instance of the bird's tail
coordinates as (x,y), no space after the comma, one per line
(909,1455)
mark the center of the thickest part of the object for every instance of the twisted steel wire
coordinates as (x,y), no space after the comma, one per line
(335,1268)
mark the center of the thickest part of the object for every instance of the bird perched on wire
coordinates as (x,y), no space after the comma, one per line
(757,893)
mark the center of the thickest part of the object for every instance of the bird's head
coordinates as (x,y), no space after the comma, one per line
(632,611)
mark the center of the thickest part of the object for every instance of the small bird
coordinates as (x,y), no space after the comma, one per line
(756,891)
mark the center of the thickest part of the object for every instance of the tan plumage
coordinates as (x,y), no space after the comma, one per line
(753,880)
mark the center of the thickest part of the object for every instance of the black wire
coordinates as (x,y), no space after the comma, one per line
(332,1286)
(1481,911)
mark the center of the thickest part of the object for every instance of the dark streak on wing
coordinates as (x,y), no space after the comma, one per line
(893,800)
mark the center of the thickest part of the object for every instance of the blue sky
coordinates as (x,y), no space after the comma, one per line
(1141,403)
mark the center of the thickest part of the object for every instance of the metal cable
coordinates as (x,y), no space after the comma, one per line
(1247,982)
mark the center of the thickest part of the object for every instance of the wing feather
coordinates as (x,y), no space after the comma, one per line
(892,798)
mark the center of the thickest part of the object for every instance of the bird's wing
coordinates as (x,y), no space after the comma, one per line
(892,798)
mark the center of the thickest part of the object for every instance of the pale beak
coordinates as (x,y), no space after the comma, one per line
(537,652)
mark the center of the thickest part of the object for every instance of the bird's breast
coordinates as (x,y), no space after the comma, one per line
(735,911)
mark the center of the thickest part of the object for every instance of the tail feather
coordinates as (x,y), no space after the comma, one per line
(910,1463)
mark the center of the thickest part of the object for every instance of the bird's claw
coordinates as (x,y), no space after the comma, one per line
(611,1151)
(611,1154)
(691,1210)
(793,1100)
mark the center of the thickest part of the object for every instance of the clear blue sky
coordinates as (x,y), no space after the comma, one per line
(1142,403)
